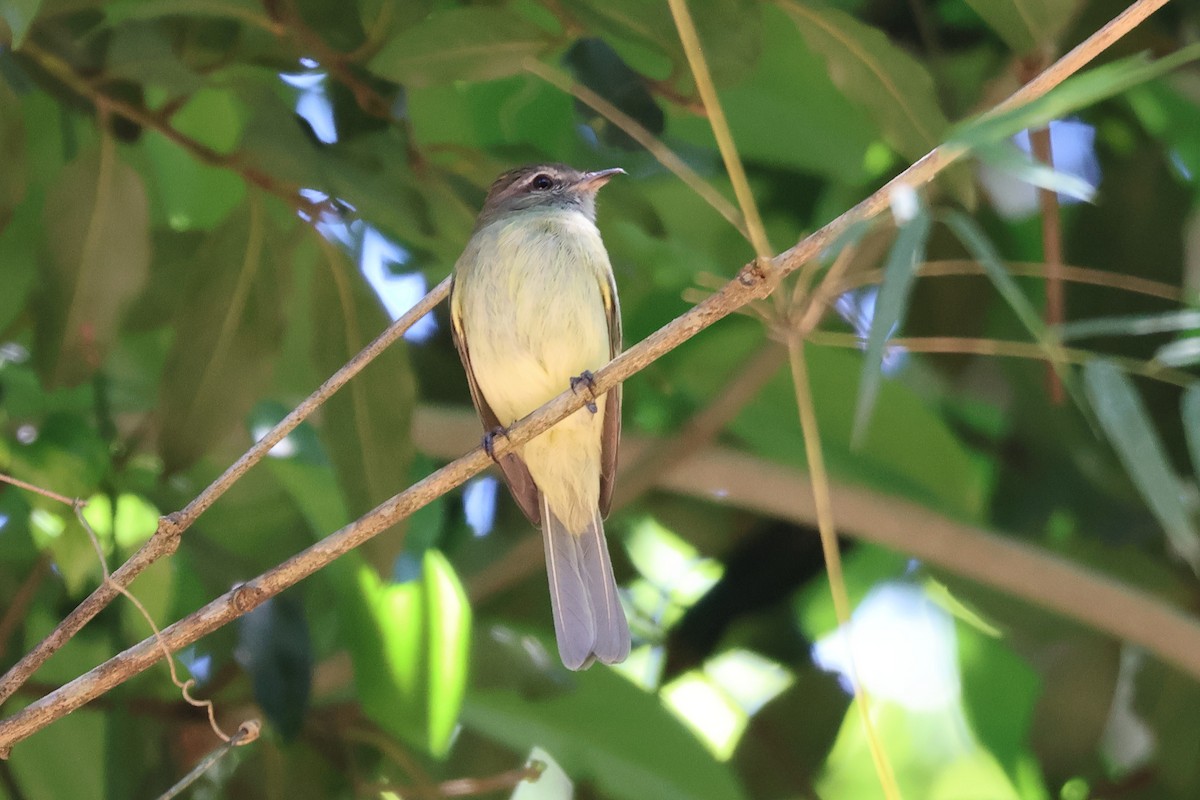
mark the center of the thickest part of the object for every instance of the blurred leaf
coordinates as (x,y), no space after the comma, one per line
(1077,92)
(365,425)
(891,85)
(37,763)
(551,784)
(1010,161)
(907,253)
(1180,353)
(607,731)
(939,593)
(1025,26)
(19,241)
(13,179)
(1190,412)
(226,334)
(245,10)
(470,43)
(19,14)
(143,53)
(274,646)
(1134,325)
(410,644)
(598,67)
(97,256)
(1124,420)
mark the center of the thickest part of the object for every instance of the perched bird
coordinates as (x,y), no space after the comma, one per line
(533,310)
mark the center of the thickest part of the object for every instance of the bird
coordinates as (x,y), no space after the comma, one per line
(533,311)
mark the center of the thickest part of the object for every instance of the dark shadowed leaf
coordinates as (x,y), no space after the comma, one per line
(365,426)
(274,646)
(474,43)
(598,67)
(899,272)
(1124,420)
(18,255)
(1024,25)
(96,257)
(893,87)
(12,144)
(226,335)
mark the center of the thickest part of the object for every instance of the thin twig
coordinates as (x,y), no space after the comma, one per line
(170,528)
(1052,253)
(751,283)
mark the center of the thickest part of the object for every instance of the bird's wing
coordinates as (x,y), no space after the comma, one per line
(610,437)
(516,474)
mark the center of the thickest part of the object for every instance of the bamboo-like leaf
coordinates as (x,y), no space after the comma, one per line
(1125,422)
(1133,325)
(470,43)
(19,15)
(96,257)
(365,426)
(899,272)
(1190,412)
(1180,353)
(1008,158)
(1079,91)
(1026,24)
(891,85)
(226,335)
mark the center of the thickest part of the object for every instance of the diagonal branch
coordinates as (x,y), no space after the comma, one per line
(751,283)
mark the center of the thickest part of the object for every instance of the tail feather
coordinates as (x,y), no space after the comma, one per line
(589,622)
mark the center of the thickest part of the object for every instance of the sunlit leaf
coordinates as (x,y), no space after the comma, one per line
(907,254)
(365,426)
(468,43)
(891,85)
(226,333)
(97,256)
(1127,425)
(1026,24)
(551,784)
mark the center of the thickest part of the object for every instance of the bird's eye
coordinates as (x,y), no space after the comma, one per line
(542,182)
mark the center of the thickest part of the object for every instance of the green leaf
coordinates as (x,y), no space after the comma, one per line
(907,254)
(1132,325)
(275,647)
(243,10)
(12,143)
(226,334)
(892,86)
(551,784)
(19,14)
(1190,412)
(1079,91)
(19,256)
(1008,158)
(96,258)
(1127,425)
(472,43)
(366,425)
(410,643)
(1024,25)
(605,730)
(1181,353)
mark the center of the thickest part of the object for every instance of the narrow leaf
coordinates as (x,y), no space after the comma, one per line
(12,144)
(898,275)
(1181,353)
(19,15)
(96,257)
(1127,426)
(1133,325)
(1008,158)
(226,335)
(472,43)
(366,426)
(1026,24)
(893,87)
(1190,412)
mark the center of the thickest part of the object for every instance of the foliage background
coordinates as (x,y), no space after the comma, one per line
(184,256)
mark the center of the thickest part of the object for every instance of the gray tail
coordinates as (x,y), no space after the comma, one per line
(589,622)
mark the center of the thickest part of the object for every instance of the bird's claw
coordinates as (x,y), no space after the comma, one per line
(588,380)
(489,441)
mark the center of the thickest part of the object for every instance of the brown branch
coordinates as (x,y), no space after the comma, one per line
(170,528)
(1052,253)
(752,283)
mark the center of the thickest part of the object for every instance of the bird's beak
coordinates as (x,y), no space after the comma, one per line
(592,181)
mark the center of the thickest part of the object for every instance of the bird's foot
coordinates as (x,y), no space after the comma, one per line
(588,381)
(489,441)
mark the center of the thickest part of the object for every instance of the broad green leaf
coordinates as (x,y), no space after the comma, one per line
(1079,91)
(19,242)
(365,426)
(1025,25)
(1133,325)
(604,730)
(1190,411)
(410,643)
(275,647)
(892,86)
(244,10)
(143,53)
(1127,425)
(907,254)
(470,43)
(96,258)
(226,334)
(13,179)
(19,15)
